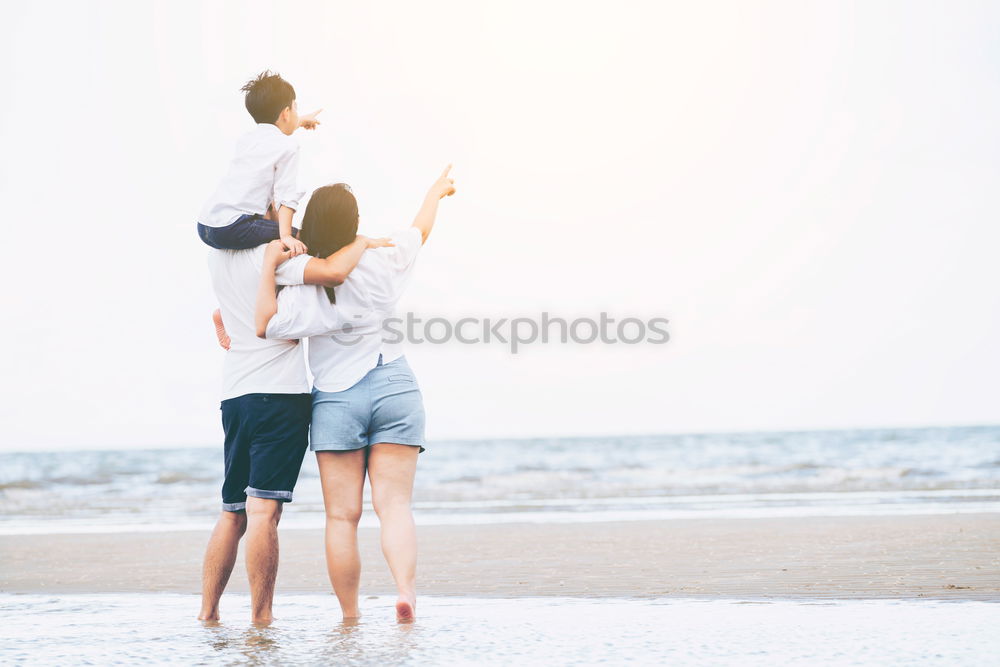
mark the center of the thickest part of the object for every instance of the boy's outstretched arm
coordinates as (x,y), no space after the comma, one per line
(308,121)
(333,270)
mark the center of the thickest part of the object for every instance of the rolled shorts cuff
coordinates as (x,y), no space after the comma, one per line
(283,496)
(389,438)
(337,447)
(234,507)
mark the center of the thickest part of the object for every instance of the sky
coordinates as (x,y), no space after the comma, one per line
(806,191)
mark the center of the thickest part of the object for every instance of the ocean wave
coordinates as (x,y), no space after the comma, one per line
(184,478)
(21,484)
(181,481)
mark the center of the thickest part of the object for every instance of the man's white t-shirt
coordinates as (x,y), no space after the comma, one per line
(346,338)
(254,365)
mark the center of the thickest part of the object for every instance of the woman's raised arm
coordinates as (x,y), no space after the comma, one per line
(443,187)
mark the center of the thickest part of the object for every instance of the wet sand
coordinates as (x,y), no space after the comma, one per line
(940,557)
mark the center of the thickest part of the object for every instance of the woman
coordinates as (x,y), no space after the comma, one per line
(368,413)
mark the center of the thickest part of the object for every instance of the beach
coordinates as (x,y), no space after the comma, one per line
(866,557)
(836,547)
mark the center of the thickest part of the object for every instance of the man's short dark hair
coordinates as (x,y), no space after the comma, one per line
(267,96)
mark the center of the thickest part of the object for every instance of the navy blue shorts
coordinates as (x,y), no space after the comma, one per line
(248,231)
(266,440)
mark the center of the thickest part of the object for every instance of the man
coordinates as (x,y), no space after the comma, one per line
(266,408)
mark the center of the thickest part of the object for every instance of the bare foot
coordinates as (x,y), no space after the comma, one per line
(220,329)
(209,615)
(406,606)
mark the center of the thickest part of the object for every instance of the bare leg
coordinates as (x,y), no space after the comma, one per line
(391,469)
(343,477)
(220,557)
(262,556)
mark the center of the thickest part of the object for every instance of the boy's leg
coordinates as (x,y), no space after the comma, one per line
(207,235)
(249,231)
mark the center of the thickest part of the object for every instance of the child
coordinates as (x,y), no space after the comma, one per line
(264,170)
(261,183)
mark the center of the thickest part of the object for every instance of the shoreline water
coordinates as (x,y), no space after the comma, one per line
(954,557)
(136,628)
(820,507)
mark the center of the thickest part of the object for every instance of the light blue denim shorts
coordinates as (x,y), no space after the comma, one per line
(383,406)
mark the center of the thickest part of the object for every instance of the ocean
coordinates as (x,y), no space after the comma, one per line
(813,473)
(818,473)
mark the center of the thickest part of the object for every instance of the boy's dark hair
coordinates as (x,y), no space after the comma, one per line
(267,96)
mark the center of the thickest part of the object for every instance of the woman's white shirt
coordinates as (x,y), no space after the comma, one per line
(346,338)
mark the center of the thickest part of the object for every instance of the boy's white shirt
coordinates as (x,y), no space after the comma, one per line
(254,365)
(346,338)
(264,169)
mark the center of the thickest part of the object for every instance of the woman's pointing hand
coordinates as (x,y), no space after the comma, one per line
(444,186)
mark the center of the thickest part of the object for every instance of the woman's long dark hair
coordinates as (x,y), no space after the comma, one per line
(330,222)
